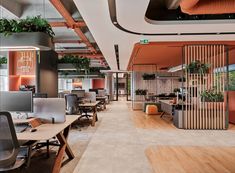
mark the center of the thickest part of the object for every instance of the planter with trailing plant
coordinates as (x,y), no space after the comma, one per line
(71,61)
(32,31)
(147,76)
(212,95)
(3,63)
(197,67)
(30,24)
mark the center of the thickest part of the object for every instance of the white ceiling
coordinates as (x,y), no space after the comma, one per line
(130,14)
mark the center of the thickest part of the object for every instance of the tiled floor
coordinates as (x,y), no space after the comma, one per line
(119,144)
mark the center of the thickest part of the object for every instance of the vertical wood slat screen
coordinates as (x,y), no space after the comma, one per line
(200,114)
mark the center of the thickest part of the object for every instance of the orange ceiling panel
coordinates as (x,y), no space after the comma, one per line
(167,54)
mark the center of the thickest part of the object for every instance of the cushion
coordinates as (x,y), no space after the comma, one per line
(152,103)
(151,110)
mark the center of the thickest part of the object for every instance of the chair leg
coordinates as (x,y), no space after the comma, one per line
(48,149)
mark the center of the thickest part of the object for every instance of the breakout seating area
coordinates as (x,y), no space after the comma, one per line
(115,86)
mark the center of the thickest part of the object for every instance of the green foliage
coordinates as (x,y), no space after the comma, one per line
(80,63)
(141,92)
(30,24)
(147,76)
(182,79)
(176,90)
(231,81)
(3,60)
(212,95)
(197,67)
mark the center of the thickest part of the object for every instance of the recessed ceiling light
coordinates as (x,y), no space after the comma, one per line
(115,23)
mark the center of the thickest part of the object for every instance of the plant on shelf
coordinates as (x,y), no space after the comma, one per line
(182,79)
(176,90)
(212,95)
(147,76)
(197,67)
(3,60)
(30,24)
(141,92)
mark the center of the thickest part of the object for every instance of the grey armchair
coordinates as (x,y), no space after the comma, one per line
(12,156)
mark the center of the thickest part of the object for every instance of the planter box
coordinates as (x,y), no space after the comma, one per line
(27,39)
(66,66)
(3,66)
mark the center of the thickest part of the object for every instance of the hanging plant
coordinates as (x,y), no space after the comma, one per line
(30,24)
(3,60)
(196,67)
(212,95)
(147,76)
(80,63)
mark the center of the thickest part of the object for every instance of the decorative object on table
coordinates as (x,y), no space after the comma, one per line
(141,92)
(147,76)
(212,95)
(197,67)
(30,24)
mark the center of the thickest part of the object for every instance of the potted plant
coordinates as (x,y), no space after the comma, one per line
(182,79)
(176,90)
(147,76)
(212,95)
(197,67)
(141,92)
(3,62)
(30,24)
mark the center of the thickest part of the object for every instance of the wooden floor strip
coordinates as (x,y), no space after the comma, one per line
(188,159)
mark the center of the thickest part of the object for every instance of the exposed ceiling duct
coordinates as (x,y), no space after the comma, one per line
(71,23)
(194,7)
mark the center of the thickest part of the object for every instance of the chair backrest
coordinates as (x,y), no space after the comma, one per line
(90,96)
(71,103)
(101,93)
(9,146)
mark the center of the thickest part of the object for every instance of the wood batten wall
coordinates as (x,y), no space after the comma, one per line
(199,113)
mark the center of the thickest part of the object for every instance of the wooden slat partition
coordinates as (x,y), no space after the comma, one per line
(198,113)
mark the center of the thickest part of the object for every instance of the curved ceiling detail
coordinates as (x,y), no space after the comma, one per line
(97,17)
(135,22)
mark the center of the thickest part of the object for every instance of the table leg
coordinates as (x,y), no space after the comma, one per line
(162,114)
(64,147)
(94,118)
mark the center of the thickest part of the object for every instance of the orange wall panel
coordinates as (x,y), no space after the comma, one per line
(98,83)
(231,95)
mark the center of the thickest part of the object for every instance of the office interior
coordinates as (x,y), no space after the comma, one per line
(90,86)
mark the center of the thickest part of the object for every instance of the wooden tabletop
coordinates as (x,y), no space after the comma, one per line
(101,97)
(88,104)
(47,131)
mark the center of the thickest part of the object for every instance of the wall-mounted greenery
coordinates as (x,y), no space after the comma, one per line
(212,95)
(30,24)
(80,63)
(141,92)
(3,60)
(197,67)
(147,76)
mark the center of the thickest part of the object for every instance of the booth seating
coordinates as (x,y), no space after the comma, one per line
(152,103)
